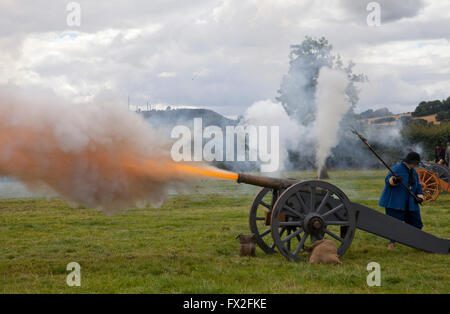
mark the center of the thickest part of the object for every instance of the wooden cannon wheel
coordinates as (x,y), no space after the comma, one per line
(441,171)
(298,215)
(260,212)
(430,184)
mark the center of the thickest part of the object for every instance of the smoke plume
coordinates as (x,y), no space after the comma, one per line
(332,105)
(98,156)
(292,134)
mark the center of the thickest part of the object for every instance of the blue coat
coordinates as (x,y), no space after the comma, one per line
(397,197)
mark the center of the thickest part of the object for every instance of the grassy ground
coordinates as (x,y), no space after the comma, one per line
(189,246)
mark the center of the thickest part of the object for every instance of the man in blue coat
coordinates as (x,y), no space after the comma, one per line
(397,200)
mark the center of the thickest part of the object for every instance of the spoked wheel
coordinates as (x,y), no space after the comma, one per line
(430,185)
(310,210)
(259,219)
(441,171)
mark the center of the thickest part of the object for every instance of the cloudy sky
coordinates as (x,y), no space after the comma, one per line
(219,54)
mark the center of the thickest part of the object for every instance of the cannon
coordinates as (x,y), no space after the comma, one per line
(294,211)
(434,179)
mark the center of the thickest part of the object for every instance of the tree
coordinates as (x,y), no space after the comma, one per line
(426,108)
(298,86)
(443,116)
(384,120)
(427,134)
(447,103)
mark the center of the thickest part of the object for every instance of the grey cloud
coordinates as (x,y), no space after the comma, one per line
(243,44)
(23,17)
(391,10)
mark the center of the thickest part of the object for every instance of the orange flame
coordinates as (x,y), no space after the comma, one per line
(215,173)
(104,159)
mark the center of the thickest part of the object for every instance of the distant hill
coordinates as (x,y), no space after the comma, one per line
(167,119)
(404,117)
(435,111)
(171,117)
(368,114)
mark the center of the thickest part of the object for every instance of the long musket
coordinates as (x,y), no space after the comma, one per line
(364,140)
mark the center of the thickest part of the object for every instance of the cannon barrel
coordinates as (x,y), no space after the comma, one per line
(265,182)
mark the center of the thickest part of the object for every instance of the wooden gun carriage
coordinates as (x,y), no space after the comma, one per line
(286,213)
(434,179)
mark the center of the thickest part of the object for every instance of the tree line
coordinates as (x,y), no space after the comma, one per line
(441,108)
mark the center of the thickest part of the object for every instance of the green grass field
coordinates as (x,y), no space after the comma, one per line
(188,246)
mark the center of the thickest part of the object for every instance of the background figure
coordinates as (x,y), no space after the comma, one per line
(447,154)
(439,153)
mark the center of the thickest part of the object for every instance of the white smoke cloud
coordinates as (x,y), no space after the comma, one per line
(292,134)
(319,137)
(332,104)
(100,156)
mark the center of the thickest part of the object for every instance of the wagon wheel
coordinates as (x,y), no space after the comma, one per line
(259,219)
(311,209)
(430,184)
(441,171)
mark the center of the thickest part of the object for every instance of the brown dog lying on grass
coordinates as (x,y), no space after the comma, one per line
(323,252)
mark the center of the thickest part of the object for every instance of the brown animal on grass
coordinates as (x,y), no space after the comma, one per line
(247,244)
(323,252)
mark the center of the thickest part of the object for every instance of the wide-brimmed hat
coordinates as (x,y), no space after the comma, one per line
(412,158)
